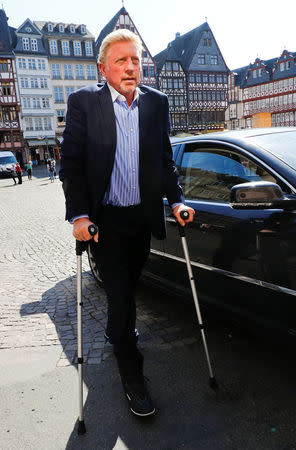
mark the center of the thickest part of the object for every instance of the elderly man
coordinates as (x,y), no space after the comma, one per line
(116,167)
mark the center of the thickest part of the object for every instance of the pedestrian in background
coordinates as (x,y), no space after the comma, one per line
(19,173)
(29,169)
(13,173)
(50,170)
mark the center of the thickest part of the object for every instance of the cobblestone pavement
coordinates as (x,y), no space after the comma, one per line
(38,280)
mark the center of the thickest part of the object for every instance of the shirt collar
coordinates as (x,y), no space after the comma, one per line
(116,95)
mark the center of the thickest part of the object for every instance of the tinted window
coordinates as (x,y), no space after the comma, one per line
(175,149)
(209,173)
(7,159)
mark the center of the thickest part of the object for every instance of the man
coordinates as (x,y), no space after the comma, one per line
(116,166)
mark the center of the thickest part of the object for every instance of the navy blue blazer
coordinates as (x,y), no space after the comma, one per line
(88,152)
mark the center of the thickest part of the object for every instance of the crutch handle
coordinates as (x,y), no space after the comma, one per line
(81,246)
(184,215)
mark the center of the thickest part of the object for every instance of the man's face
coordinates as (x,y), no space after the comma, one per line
(122,68)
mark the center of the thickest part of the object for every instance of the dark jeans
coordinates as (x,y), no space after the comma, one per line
(123,248)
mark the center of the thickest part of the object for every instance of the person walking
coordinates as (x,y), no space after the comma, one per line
(116,166)
(13,173)
(50,170)
(19,173)
(29,169)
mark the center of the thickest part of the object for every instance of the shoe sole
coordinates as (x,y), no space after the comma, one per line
(150,413)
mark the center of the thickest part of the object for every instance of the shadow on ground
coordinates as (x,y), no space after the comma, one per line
(254,407)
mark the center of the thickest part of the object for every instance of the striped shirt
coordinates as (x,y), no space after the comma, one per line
(124,187)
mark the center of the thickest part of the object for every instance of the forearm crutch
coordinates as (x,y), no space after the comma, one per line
(185,215)
(81,246)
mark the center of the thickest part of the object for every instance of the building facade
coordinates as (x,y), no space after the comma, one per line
(11,136)
(194,75)
(263,94)
(123,20)
(72,64)
(37,114)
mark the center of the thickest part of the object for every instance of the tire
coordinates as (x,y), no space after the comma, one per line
(94,266)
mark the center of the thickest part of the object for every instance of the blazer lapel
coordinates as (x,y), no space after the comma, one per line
(106,134)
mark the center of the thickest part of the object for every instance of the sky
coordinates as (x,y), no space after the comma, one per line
(243,30)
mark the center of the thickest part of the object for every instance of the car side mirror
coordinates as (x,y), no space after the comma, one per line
(260,195)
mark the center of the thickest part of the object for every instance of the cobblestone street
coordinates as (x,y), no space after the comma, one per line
(38,280)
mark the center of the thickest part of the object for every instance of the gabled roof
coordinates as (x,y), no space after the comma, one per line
(28,23)
(183,48)
(6,49)
(109,28)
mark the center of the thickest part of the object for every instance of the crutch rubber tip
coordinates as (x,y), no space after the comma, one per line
(213,384)
(81,427)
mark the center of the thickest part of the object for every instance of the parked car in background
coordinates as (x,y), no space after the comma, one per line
(6,160)
(242,242)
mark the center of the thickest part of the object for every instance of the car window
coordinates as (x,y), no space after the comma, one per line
(210,173)
(175,148)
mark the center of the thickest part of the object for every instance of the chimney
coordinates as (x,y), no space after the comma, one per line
(177,35)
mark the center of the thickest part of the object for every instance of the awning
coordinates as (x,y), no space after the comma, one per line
(41,142)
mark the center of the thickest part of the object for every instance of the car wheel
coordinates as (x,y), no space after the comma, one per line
(94,266)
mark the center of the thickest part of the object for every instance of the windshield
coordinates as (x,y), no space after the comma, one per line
(7,159)
(282,145)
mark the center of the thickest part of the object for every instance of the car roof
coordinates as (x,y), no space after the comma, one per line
(235,135)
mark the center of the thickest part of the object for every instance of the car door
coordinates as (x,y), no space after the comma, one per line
(241,258)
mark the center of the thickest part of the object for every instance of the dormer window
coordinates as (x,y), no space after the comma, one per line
(72,29)
(61,28)
(50,27)
(83,29)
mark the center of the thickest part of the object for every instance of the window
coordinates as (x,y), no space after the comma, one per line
(36,102)
(68,75)
(164,83)
(3,66)
(205,42)
(77,48)
(45,102)
(47,123)
(176,84)
(29,124)
(72,29)
(33,83)
(61,117)
(61,28)
(43,83)
(38,123)
(200,59)
(58,94)
(210,173)
(175,66)
(191,78)
(31,63)
(144,54)
(214,60)
(168,66)
(145,71)
(53,48)
(170,83)
(88,49)
(171,101)
(24,83)
(69,90)
(26,102)
(151,71)
(205,78)
(219,79)
(56,71)
(26,45)
(79,72)
(34,45)
(212,79)
(198,77)
(91,72)
(22,63)
(41,64)
(83,29)
(65,48)
(50,27)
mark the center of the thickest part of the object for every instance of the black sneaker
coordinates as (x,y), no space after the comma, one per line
(138,397)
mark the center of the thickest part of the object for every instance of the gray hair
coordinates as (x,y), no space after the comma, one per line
(122,35)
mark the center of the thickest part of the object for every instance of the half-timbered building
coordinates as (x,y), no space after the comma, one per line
(123,20)
(263,94)
(11,137)
(194,75)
